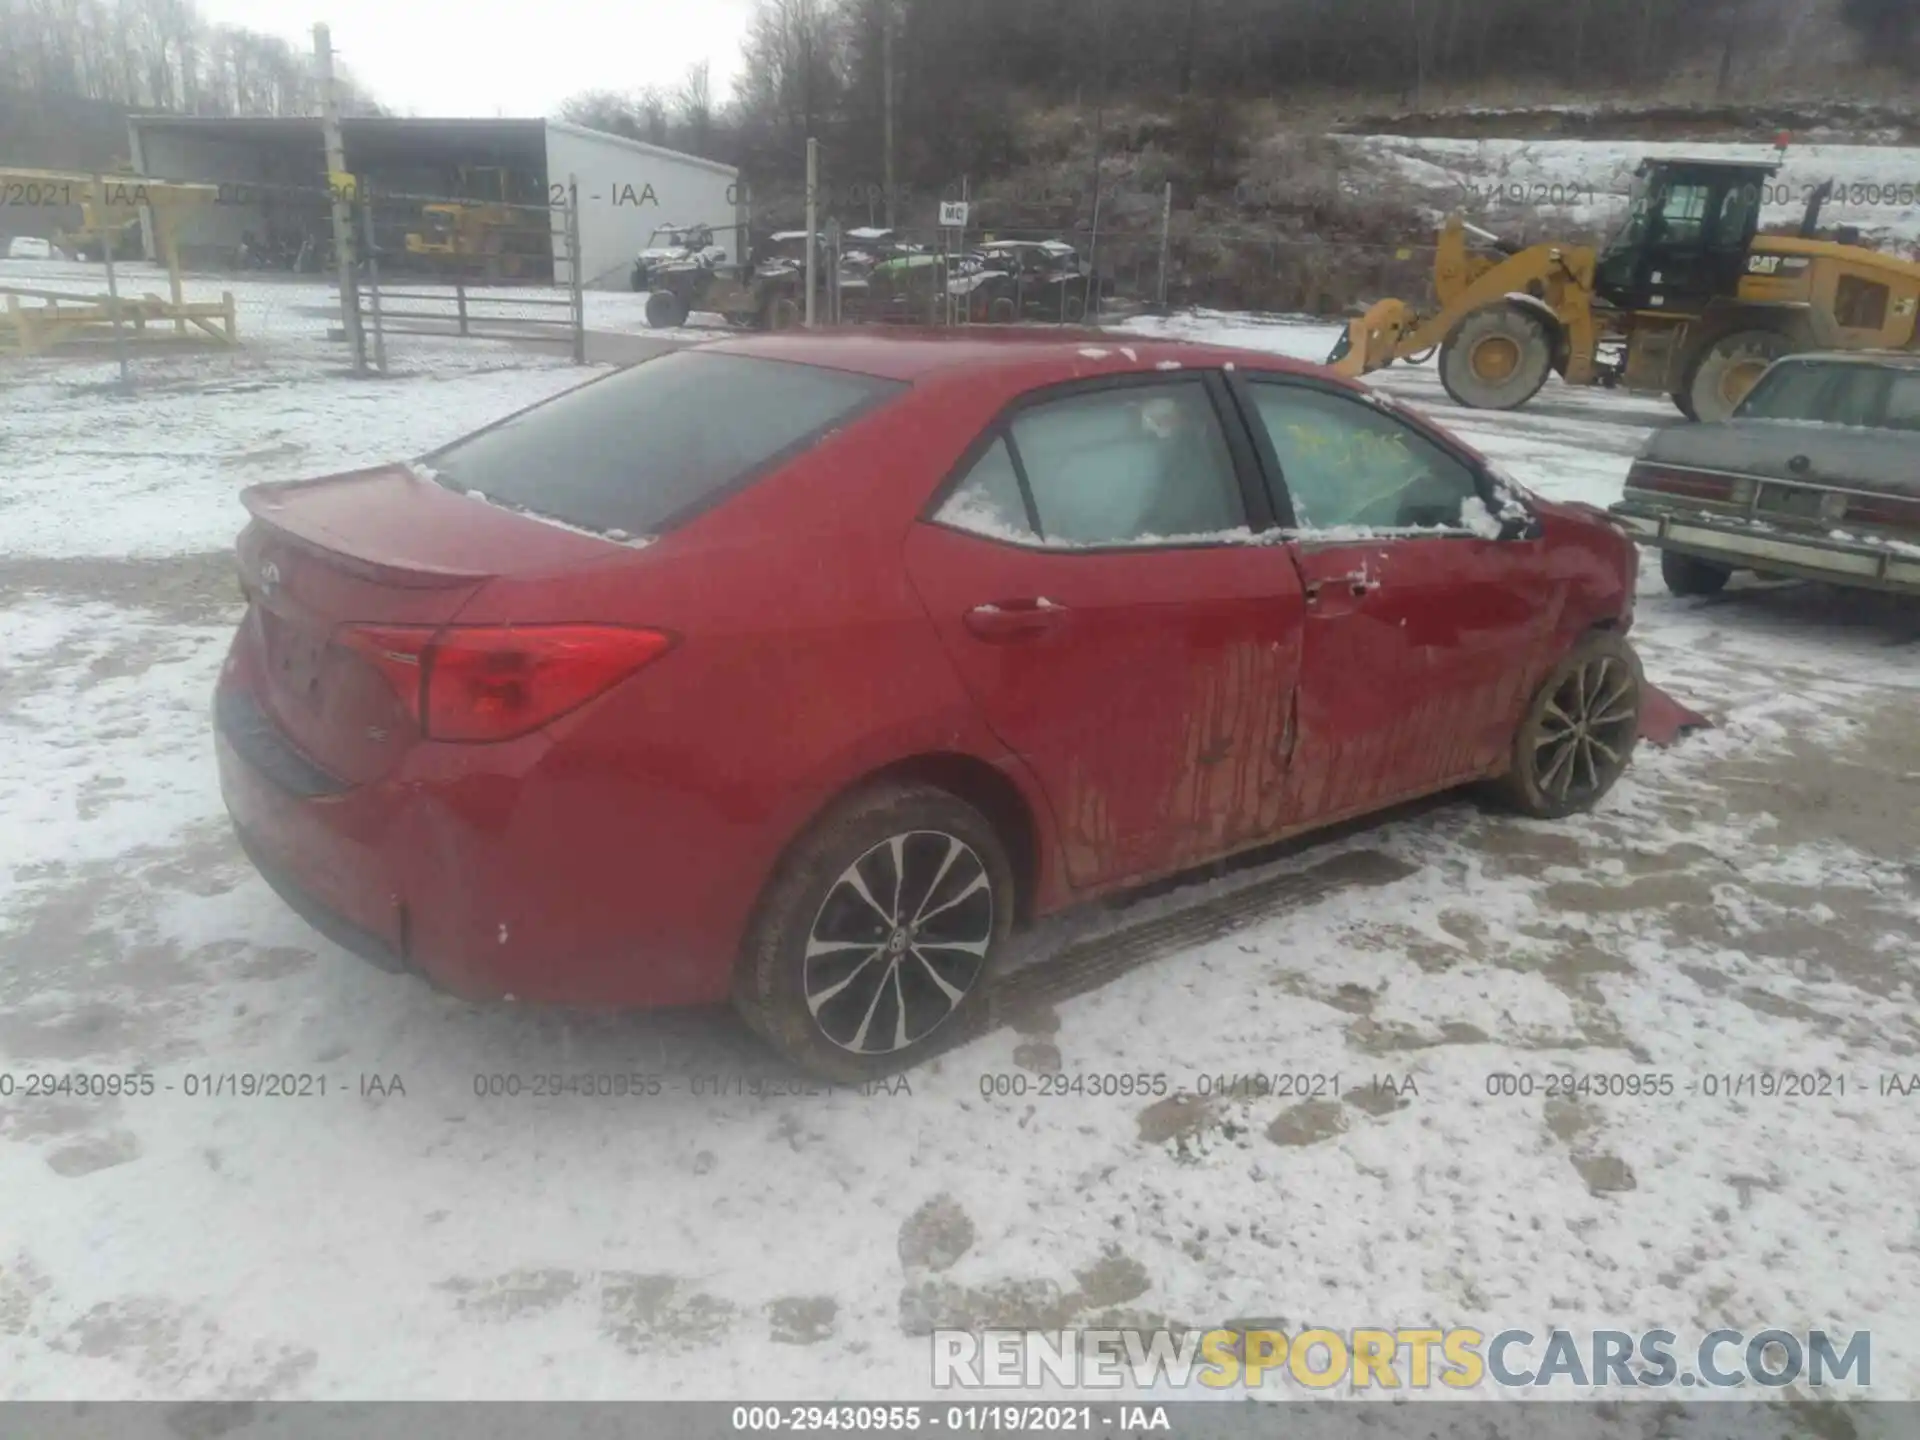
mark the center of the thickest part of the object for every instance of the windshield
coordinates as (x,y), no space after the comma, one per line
(1633,229)
(648,446)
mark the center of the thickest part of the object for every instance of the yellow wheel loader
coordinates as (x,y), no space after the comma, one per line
(1686,300)
(484,238)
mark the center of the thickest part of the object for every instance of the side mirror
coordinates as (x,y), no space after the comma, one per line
(1524,526)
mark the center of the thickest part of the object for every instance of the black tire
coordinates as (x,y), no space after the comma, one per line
(665,310)
(1687,575)
(881,975)
(784,313)
(1001,311)
(1583,721)
(1728,367)
(1076,308)
(1497,358)
(1683,402)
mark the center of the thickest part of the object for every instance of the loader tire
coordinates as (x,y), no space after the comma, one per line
(1497,358)
(1729,367)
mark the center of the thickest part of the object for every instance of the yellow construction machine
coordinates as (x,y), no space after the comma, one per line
(1687,299)
(494,239)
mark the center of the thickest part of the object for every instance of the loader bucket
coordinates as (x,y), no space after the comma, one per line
(1664,720)
(1372,340)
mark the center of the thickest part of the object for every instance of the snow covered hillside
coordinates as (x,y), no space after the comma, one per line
(1877,187)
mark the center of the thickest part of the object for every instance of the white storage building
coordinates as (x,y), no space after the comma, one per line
(273,173)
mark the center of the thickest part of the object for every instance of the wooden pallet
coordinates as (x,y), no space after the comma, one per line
(63,316)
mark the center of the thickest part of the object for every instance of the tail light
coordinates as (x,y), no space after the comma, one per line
(1693,484)
(495,682)
(1888,510)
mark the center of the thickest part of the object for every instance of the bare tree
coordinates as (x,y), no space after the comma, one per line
(693,106)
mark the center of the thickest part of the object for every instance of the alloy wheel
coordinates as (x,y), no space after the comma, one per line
(899,941)
(1586,730)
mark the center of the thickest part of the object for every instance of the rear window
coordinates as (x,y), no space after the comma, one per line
(652,444)
(1834,393)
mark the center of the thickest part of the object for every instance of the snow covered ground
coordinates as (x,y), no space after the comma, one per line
(1742,903)
(1877,187)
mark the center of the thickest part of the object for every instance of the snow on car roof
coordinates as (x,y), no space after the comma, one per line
(1899,359)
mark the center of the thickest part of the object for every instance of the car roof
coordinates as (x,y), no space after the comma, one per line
(914,354)
(1893,359)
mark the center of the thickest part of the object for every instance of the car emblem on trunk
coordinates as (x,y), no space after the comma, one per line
(269,578)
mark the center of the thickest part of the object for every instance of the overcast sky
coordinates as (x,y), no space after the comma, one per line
(506,57)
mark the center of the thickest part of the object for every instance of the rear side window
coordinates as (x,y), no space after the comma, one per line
(1136,465)
(1902,409)
(648,446)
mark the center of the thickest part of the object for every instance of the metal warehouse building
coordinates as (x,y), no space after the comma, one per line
(273,175)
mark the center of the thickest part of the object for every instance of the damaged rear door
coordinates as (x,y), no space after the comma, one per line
(1096,578)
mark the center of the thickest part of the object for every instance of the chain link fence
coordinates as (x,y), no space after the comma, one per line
(256,282)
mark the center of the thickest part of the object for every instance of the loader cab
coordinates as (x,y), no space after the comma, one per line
(1685,239)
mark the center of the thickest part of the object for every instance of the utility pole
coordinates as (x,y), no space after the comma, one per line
(813,220)
(342,221)
(1099,134)
(886,104)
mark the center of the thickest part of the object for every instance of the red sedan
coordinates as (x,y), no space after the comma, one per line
(797,670)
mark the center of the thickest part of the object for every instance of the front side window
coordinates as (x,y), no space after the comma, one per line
(1135,465)
(1349,466)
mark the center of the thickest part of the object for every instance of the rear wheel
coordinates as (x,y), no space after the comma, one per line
(1728,368)
(1000,311)
(1496,358)
(871,945)
(1683,402)
(1686,575)
(1579,732)
(665,310)
(784,313)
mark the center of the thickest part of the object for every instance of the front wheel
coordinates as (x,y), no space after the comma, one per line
(871,946)
(1497,358)
(1579,731)
(1687,576)
(665,310)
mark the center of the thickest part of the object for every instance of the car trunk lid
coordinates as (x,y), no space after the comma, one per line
(381,547)
(1807,475)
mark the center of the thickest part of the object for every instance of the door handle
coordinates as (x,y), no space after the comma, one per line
(1359,585)
(1014,619)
